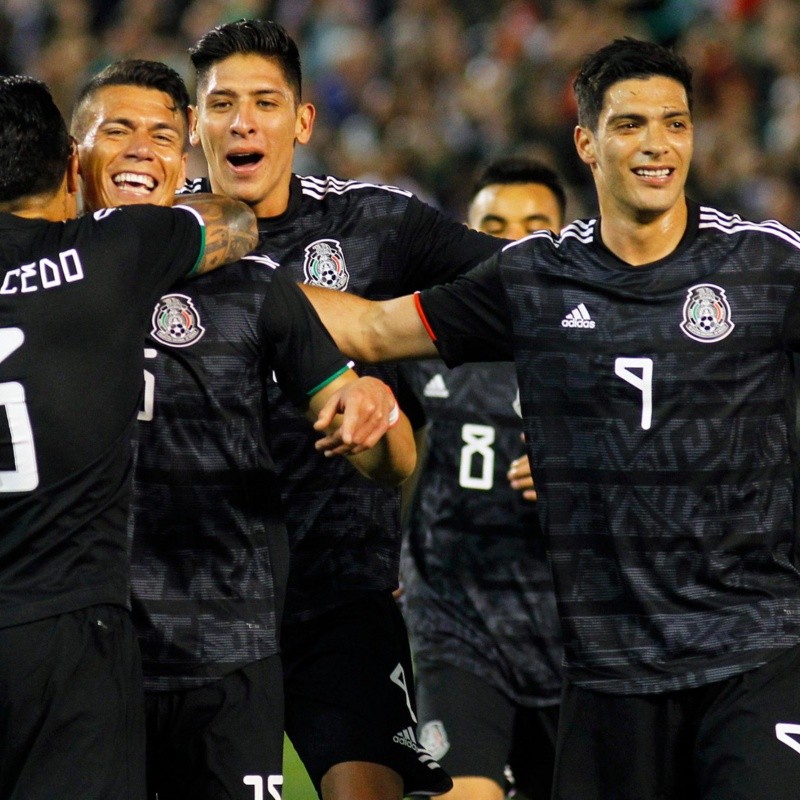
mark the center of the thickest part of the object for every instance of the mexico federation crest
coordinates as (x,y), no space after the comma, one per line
(176,321)
(706,314)
(324,265)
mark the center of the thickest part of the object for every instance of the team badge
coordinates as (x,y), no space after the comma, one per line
(706,314)
(324,265)
(176,321)
(433,737)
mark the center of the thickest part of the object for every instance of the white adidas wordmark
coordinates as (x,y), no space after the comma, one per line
(578,318)
(406,738)
(435,387)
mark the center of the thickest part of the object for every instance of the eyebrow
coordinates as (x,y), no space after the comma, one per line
(504,220)
(223,92)
(129,123)
(634,117)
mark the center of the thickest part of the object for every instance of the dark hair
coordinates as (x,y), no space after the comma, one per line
(134,72)
(249,36)
(34,142)
(517,169)
(619,61)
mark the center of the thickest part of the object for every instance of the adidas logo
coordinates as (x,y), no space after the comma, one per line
(435,387)
(578,318)
(406,738)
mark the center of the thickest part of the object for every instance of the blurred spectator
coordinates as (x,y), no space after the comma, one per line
(418,92)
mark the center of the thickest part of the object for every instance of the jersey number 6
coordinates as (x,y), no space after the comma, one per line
(25,475)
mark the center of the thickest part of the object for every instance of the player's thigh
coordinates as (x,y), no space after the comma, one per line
(464,723)
(350,693)
(748,739)
(533,750)
(625,747)
(71,708)
(219,741)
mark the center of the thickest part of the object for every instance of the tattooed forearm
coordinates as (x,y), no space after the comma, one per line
(231,230)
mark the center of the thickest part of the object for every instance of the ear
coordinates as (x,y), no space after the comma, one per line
(585,145)
(73,170)
(304,124)
(194,137)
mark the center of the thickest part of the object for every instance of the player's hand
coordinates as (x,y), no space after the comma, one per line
(366,406)
(520,478)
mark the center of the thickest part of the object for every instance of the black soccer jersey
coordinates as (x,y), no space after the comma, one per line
(74,298)
(478,589)
(659,405)
(378,242)
(210,551)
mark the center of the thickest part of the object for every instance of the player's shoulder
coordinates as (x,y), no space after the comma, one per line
(332,189)
(715,222)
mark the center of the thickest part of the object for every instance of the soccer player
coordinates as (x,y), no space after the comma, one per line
(653,348)
(209,545)
(75,295)
(478,594)
(349,688)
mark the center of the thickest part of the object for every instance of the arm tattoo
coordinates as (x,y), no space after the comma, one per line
(231,230)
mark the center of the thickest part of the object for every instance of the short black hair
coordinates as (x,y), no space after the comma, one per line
(622,60)
(134,72)
(34,142)
(519,169)
(249,37)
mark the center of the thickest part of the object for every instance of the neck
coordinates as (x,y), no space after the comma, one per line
(643,239)
(54,207)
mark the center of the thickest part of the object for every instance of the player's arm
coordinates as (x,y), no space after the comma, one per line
(361,420)
(371,330)
(230,229)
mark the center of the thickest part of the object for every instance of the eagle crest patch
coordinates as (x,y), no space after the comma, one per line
(324,265)
(176,322)
(706,314)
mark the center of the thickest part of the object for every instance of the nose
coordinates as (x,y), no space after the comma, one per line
(140,145)
(243,120)
(655,140)
(515,231)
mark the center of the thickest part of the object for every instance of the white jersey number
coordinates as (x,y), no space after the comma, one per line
(478,441)
(146,412)
(25,476)
(638,372)
(274,783)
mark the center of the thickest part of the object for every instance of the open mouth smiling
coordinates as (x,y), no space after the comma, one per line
(653,172)
(135,182)
(244,159)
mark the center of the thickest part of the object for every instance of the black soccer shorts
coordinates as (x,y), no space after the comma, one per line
(472,729)
(220,740)
(71,708)
(350,694)
(737,739)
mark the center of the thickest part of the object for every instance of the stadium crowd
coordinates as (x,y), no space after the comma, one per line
(420,93)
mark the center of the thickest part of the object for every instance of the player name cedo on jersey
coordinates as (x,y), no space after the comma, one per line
(43,274)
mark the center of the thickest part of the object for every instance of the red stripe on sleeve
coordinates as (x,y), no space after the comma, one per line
(423,318)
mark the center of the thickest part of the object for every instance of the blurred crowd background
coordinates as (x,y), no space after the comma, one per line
(421,93)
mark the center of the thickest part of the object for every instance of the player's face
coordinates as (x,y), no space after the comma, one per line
(642,148)
(513,210)
(247,122)
(132,147)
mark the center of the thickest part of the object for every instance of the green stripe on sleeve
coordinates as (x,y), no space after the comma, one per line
(332,378)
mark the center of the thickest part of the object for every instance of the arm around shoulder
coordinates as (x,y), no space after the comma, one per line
(230,228)
(371,330)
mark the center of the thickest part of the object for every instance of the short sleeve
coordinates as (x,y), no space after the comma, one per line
(468,319)
(303,355)
(435,248)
